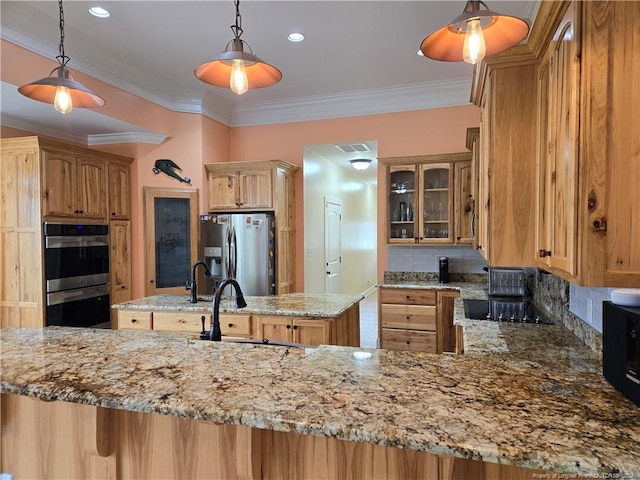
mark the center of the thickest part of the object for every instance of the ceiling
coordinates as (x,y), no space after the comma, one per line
(358,58)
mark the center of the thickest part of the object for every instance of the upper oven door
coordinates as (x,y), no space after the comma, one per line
(76,261)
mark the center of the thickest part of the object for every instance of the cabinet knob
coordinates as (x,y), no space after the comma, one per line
(133,320)
(231,325)
(408,317)
(295,327)
(408,342)
(408,297)
(544,253)
(113,213)
(288,326)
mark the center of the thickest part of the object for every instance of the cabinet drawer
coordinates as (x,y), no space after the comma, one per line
(180,321)
(397,339)
(412,317)
(235,325)
(133,320)
(408,296)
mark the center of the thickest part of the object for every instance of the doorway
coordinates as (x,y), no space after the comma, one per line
(333,245)
(171,238)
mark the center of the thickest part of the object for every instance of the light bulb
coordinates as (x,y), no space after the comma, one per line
(474,47)
(238,81)
(62,101)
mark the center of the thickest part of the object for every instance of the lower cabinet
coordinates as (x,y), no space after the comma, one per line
(343,329)
(232,325)
(310,331)
(415,319)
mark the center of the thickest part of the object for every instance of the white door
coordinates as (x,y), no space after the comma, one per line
(333,246)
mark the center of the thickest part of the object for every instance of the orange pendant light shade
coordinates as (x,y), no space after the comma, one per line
(500,32)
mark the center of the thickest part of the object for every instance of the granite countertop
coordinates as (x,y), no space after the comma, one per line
(508,405)
(291,304)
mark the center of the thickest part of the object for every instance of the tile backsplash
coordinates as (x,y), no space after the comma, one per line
(405,258)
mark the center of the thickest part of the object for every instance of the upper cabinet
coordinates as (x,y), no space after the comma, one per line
(505,156)
(73,186)
(119,192)
(231,189)
(423,197)
(588,160)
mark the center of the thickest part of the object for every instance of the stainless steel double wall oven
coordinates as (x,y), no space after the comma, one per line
(76,258)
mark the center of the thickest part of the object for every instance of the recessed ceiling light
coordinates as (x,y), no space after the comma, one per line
(295,37)
(99,12)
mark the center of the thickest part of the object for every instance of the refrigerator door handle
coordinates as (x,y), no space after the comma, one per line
(235,252)
(227,254)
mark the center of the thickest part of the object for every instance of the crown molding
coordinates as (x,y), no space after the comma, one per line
(127,137)
(13,122)
(362,102)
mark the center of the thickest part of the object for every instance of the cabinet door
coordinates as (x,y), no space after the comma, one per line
(235,325)
(437,199)
(312,331)
(274,328)
(59,184)
(91,188)
(463,202)
(120,260)
(564,78)
(255,189)
(402,204)
(134,320)
(119,192)
(482,202)
(223,194)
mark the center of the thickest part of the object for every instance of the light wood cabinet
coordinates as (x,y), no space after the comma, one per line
(120,259)
(53,180)
(423,200)
(559,83)
(240,189)
(73,186)
(260,186)
(588,164)
(133,320)
(507,162)
(416,319)
(306,330)
(119,192)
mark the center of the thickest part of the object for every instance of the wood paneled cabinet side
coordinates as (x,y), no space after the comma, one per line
(507,190)
(559,86)
(119,191)
(463,203)
(120,260)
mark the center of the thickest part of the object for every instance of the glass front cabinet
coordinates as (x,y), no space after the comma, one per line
(421,201)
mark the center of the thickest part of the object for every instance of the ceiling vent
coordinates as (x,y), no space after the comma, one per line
(353,147)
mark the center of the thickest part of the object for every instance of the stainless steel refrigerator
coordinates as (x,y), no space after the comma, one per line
(240,246)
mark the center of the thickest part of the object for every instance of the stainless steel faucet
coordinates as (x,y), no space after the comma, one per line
(192,286)
(215,334)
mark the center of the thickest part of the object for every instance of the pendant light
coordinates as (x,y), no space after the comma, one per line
(59,88)
(474,34)
(236,69)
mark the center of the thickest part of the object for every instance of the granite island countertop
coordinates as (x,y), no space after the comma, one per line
(291,304)
(498,407)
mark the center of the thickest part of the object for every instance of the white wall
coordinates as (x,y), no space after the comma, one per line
(586,303)
(323,178)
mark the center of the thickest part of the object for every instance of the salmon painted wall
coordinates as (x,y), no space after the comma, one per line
(421,132)
(194,140)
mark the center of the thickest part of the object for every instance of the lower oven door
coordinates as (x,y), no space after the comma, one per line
(82,307)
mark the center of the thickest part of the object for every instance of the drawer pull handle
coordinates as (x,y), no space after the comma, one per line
(133,320)
(231,325)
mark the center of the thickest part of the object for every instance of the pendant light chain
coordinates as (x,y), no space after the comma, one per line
(237,28)
(62,58)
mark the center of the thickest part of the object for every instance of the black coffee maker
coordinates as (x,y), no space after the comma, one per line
(443,273)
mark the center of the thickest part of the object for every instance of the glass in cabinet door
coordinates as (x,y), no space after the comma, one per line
(436,203)
(402,184)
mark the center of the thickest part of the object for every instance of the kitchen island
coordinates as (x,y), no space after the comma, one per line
(311,319)
(146,404)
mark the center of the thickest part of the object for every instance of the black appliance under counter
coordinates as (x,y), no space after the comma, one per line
(505,309)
